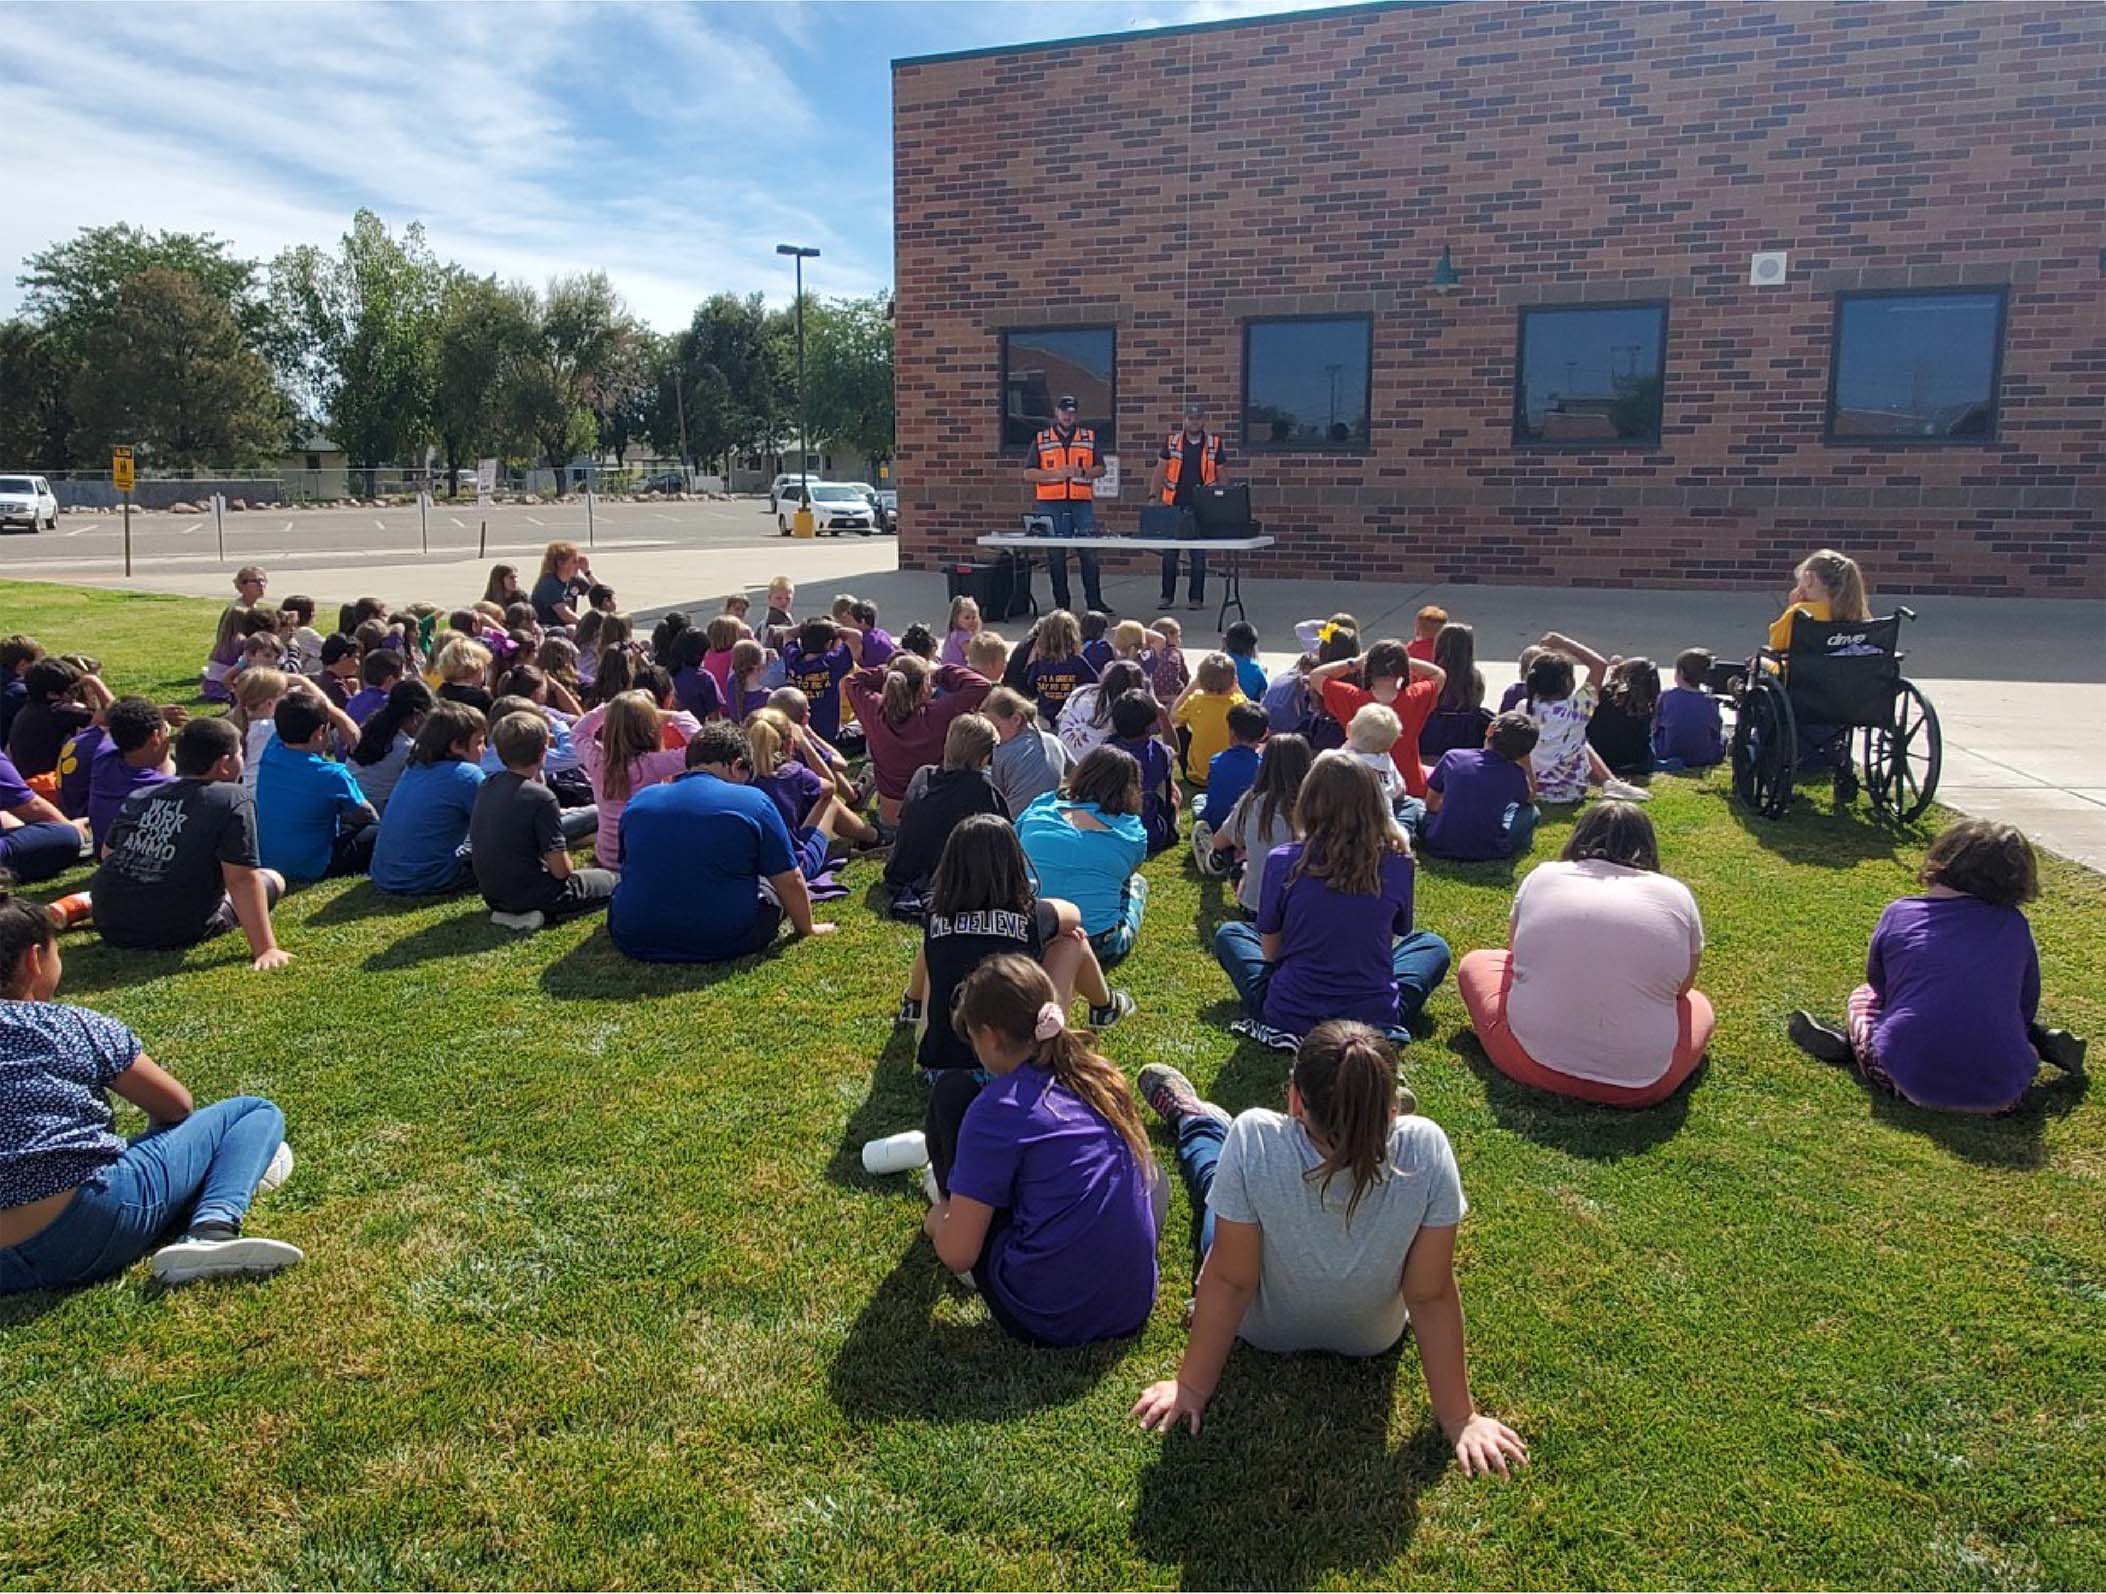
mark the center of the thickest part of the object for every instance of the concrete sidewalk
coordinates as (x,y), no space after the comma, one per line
(2019,685)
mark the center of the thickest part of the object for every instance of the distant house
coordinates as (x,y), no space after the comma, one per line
(317,468)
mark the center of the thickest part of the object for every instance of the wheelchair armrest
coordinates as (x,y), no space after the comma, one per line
(1904,611)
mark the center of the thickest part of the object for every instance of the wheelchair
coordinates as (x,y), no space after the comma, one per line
(1799,711)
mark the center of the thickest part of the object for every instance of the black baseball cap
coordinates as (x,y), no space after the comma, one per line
(1066,401)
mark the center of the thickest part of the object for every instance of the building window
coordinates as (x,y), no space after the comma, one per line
(1306,382)
(314,462)
(1915,367)
(1039,365)
(1590,376)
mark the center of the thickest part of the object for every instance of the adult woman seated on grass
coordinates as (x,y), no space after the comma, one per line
(1087,847)
(1334,936)
(981,903)
(1330,1227)
(904,724)
(79,1203)
(1595,996)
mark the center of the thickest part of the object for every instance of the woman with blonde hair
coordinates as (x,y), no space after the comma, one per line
(1334,936)
(566,575)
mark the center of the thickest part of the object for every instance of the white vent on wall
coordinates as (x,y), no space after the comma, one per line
(1768,267)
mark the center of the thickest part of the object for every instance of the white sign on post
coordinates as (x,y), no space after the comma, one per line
(485,481)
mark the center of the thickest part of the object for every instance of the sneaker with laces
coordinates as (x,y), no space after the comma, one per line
(278,1172)
(75,908)
(519,921)
(1624,792)
(217,1250)
(1174,1098)
(1816,1039)
(909,1011)
(1120,1006)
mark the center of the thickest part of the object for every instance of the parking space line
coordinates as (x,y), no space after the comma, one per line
(456,519)
(379,524)
(195,525)
(286,527)
(531,521)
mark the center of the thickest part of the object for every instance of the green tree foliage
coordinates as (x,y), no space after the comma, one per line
(725,373)
(171,371)
(486,332)
(72,290)
(848,359)
(362,330)
(582,342)
(34,411)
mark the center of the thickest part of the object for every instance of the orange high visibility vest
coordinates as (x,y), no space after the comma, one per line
(1079,452)
(1209,462)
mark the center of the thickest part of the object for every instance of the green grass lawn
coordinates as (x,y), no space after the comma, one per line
(598,1293)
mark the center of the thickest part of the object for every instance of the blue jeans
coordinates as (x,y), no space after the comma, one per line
(1418,960)
(1199,1141)
(39,851)
(202,1169)
(1411,814)
(1114,942)
(1077,519)
(1198,587)
(1521,821)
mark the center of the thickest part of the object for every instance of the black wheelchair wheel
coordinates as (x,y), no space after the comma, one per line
(1902,759)
(1765,748)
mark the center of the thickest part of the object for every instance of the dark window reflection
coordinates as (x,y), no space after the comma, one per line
(1916,366)
(1038,367)
(1591,375)
(1305,383)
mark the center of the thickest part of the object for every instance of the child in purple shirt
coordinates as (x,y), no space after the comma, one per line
(134,758)
(1948,1015)
(816,661)
(1481,804)
(75,765)
(1046,1189)
(1687,730)
(1134,719)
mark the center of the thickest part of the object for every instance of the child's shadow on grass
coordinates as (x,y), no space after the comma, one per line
(899,1361)
(896,1103)
(1813,831)
(461,935)
(1260,1499)
(93,966)
(596,970)
(363,900)
(2011,1140)
(1579,1128)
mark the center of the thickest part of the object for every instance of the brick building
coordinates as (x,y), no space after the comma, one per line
(1614,389)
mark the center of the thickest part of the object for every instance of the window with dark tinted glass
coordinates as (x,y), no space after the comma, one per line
(1305,382)
(1915,367)
(1590,376)
(1038,366)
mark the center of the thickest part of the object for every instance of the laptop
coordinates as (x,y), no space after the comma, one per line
(1224,511)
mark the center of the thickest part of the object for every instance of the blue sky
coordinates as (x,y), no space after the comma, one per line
(672,146)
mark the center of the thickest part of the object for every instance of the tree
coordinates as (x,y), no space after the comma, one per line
(34,413)
(171,371)
(362,329)
(581,326)
(73,289)
(848,368)
(728,380)
(486,331)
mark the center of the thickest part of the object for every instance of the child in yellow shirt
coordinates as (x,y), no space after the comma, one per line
(1201,713)
(1831,587)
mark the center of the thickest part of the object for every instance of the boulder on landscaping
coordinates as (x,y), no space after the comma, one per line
(180,508)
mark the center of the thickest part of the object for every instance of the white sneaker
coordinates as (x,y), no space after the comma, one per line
(186,1259)
(928,1184)
(1624,792)
(533,920)
(278,1172)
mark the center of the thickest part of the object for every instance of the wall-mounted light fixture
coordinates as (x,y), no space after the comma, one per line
(1446,279)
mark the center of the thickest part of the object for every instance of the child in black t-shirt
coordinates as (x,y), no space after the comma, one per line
(982,903)
(516,840)
(181,865)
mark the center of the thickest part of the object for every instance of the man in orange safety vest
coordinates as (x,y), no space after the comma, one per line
(1190,460)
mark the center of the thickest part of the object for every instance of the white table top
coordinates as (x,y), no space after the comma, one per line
(1016,539)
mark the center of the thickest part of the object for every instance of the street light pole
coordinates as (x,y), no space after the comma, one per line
(807,525)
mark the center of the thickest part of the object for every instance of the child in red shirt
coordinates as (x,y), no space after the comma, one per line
(1389,675)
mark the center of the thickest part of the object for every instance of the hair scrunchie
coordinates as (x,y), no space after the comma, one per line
(1051,1021)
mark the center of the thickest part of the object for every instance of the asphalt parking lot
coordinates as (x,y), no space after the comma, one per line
(91,547)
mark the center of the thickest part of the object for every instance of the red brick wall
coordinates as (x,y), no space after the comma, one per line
(1174,183)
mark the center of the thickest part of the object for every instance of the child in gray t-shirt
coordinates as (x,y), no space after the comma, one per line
(1328,1227)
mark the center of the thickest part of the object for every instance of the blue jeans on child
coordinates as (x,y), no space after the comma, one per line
(1418,960)
(203,1169)
(1115,942)
(1199,1141)
(40,850)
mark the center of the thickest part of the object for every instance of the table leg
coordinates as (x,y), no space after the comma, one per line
(1231,590)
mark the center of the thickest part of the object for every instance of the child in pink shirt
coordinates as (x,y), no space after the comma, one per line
(622,746)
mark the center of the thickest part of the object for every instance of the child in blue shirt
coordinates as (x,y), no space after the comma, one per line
(1134,717)
(311,818)
(1480,804)
(423,843)
(1240,642)
(1230,771)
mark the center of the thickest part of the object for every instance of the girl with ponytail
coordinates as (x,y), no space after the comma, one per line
(1329,1227)
(904,721)
(1046,1191)
(79,1202)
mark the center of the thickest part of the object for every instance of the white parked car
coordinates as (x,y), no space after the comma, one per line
(28,501)
(836,507)
(784,484)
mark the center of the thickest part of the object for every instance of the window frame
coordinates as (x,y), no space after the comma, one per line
(1831,438)
(1250,445)
(1520,384)
(1002,337)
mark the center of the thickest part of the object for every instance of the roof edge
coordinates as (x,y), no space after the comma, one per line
(1257,19)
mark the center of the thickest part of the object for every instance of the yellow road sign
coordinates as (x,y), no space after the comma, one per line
(121,469)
